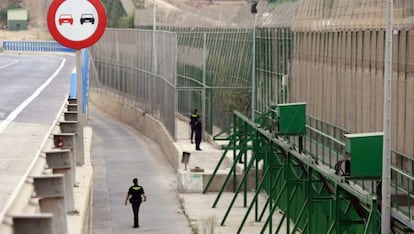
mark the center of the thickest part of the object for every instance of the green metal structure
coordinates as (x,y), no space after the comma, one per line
(311,197)
(214,74)
(366,149)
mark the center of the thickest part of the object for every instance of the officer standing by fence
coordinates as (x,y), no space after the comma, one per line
(198,128)
(193,118)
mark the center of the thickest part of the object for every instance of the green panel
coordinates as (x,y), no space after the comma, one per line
(366,154)
(292,118)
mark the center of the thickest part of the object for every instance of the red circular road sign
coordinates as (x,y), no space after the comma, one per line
(76,24)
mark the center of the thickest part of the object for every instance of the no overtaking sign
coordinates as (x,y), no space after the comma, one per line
(76,24)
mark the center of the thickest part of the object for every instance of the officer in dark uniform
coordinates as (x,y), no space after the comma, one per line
(135,195)
(193,118)
(198,128)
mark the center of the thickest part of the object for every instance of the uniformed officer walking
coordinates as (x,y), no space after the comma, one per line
(135,195)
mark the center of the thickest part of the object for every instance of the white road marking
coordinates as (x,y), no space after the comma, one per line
(9,64)
(26,102)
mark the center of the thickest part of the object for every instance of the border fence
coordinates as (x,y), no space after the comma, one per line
(329,55)
(213,68)
(141,67)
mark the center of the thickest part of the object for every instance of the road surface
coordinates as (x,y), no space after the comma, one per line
(33,88)
(120,153)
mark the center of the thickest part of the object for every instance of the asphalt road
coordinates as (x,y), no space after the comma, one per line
(118,154)
(33,88)
(39,81)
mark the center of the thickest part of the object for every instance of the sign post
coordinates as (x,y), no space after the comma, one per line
(77,24)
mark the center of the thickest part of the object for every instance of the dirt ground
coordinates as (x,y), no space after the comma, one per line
(25,35)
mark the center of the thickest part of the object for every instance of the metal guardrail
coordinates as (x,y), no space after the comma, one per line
(325,142)
(46,46)
(56,155)
(402,186)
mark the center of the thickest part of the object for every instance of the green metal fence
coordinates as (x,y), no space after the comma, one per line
(326,143)
(308,194)
(114,12)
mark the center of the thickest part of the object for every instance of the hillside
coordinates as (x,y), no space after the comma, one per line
(184,13)
(37,11)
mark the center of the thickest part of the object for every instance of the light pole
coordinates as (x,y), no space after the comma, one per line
(386,151)
(154,57)
(154,17)
(253,10)
(154,28)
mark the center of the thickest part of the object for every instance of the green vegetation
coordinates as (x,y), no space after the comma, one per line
(274,3)
(281,1)
(116,15)
(126,21)
(3,12)
(209,224)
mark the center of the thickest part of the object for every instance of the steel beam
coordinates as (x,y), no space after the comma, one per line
(60,162)
(62,143)
(50,191)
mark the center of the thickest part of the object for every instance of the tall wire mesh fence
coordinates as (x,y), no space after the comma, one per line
(337,69)
(215,71)
(323,15)
(329,54)
(140,66)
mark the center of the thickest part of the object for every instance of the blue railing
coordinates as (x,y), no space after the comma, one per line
(46,46)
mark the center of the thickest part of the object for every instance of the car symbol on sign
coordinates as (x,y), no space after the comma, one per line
(87,18)
(65,18)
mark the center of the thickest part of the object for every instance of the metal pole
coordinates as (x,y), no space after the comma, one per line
(204,79)
(79,96)
(254,69)
(154,17)
(386,173)
(175,86)
(154,55)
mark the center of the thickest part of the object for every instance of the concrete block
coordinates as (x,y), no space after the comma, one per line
(71,116)
(68,126)
(72,101)
(189,182)
(48,186)
(72,107)
(58,159)
(33,223)
(195,182)
(68,140)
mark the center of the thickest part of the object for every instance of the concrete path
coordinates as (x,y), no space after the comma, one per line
(119,153)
